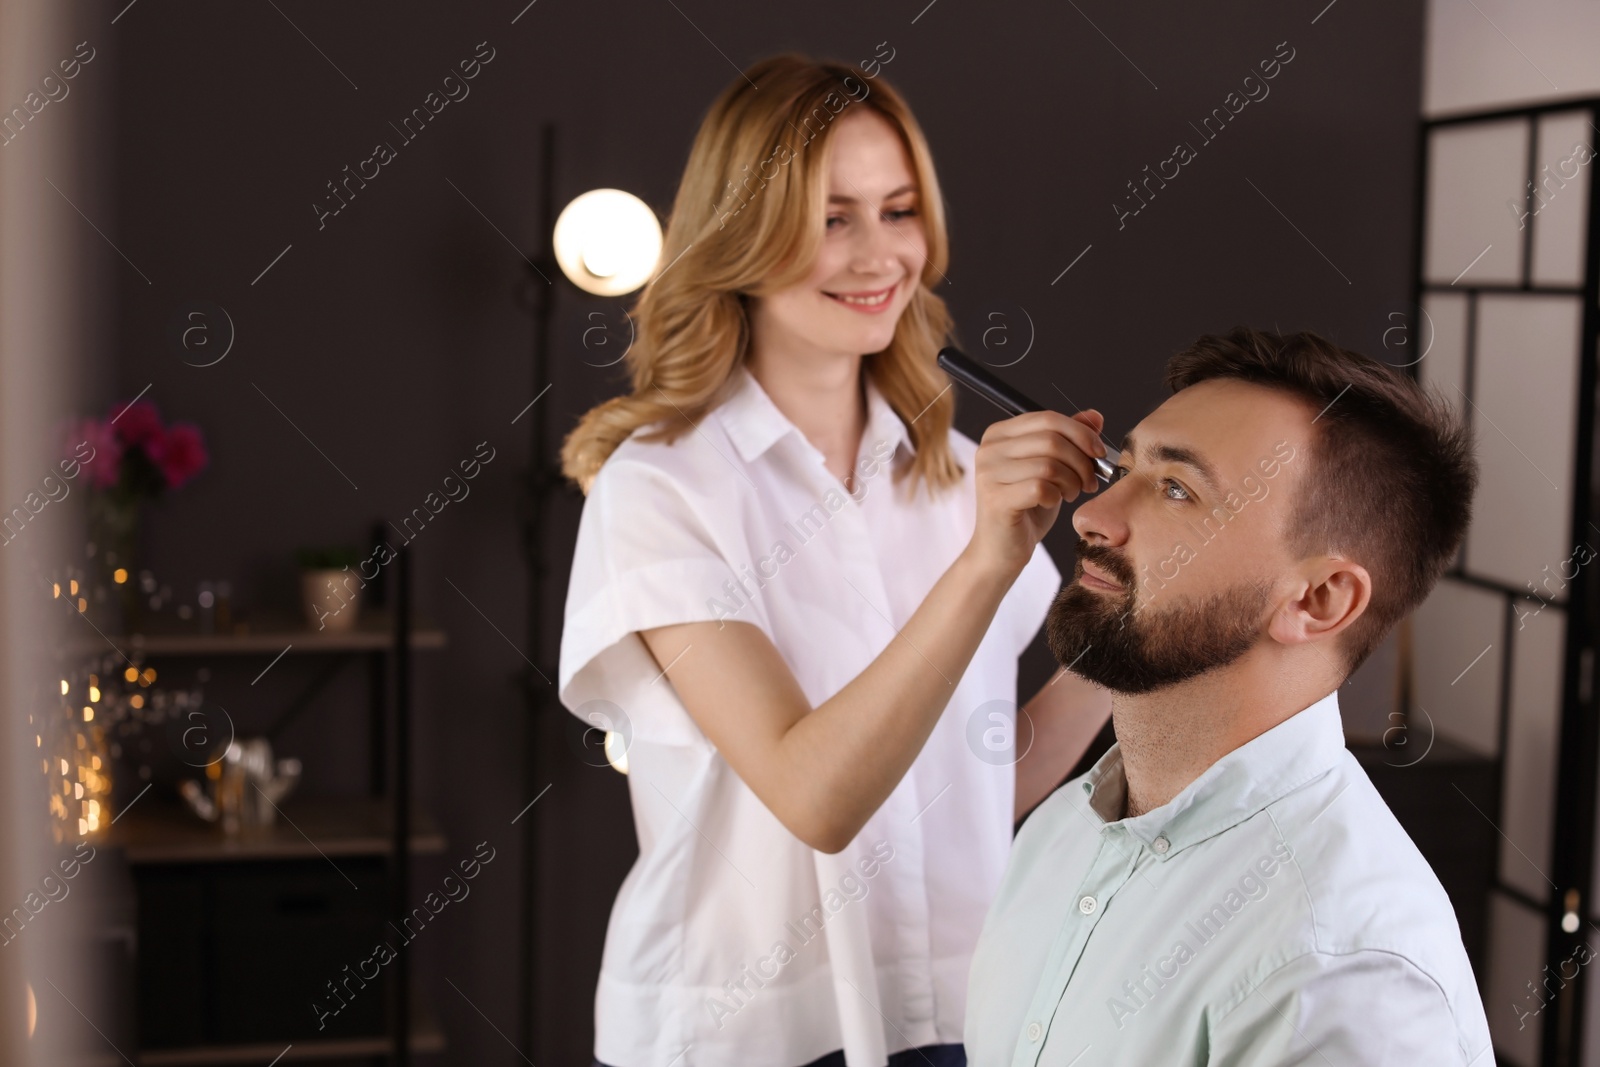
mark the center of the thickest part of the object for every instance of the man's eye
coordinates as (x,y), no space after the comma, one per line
(1183,494)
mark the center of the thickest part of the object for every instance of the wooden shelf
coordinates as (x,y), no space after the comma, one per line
(426,1036)
(155,831)
(374,632)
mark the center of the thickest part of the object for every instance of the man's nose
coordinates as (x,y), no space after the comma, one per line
(1102,519)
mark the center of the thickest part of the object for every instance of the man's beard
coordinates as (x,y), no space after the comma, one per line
(1095,633)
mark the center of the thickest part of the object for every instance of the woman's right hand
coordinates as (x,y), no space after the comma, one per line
(823,770)
(1026,467)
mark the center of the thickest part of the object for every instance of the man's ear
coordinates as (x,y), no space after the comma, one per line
(1335,593)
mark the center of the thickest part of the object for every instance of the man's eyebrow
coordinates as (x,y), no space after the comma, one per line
(1181,455)
(840,198)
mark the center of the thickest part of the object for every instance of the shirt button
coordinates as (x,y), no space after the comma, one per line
(1086,905)
(1035,1031)
(1161,844)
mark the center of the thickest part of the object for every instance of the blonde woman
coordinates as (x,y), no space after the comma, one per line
(799,595)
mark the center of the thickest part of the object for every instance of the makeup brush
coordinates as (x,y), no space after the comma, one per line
(1007,399)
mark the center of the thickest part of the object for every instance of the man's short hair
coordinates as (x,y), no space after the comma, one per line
(1390,471)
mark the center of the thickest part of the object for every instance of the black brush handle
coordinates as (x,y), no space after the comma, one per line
(1002,396)
(985,384)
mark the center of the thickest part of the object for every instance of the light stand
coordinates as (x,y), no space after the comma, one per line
(543,477)
(606,243)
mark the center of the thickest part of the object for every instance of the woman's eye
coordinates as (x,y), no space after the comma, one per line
(893,216)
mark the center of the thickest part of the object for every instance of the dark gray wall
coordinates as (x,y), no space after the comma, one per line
(392,339)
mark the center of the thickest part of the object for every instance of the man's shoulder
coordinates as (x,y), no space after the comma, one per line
(1356,860)
(1367,888)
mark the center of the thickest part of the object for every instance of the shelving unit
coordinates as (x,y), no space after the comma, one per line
(158,831)
(163,840)
(426,1036)
(373,633)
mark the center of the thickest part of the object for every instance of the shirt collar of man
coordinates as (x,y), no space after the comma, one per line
(1237,786)
(754,422)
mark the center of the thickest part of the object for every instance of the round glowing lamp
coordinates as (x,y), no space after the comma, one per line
(608,242)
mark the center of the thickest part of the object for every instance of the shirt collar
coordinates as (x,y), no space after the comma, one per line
(1262,770)
(755,423)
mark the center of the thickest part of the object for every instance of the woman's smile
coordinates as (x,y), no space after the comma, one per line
(866,301)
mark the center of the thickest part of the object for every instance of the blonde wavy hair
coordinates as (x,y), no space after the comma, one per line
(738,231)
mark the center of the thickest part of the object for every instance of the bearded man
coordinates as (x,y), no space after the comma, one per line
(1226,886)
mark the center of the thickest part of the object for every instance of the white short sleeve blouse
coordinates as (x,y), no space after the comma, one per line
(730,937)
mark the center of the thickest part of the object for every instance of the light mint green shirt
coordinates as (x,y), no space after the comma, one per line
(1272,913)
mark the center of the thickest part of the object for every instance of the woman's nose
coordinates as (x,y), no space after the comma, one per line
(877,249)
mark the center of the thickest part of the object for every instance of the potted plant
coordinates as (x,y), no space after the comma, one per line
(330,590)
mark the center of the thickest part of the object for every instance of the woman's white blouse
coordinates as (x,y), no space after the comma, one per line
(730,938)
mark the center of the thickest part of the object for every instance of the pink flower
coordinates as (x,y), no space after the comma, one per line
(136,423)
(95,447)
(179,452)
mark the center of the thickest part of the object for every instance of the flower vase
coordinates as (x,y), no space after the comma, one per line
(114,532)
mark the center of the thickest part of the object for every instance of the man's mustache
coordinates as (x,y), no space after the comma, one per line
(1108,561)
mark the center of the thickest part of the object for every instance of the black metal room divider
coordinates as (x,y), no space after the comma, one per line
(1507,260)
